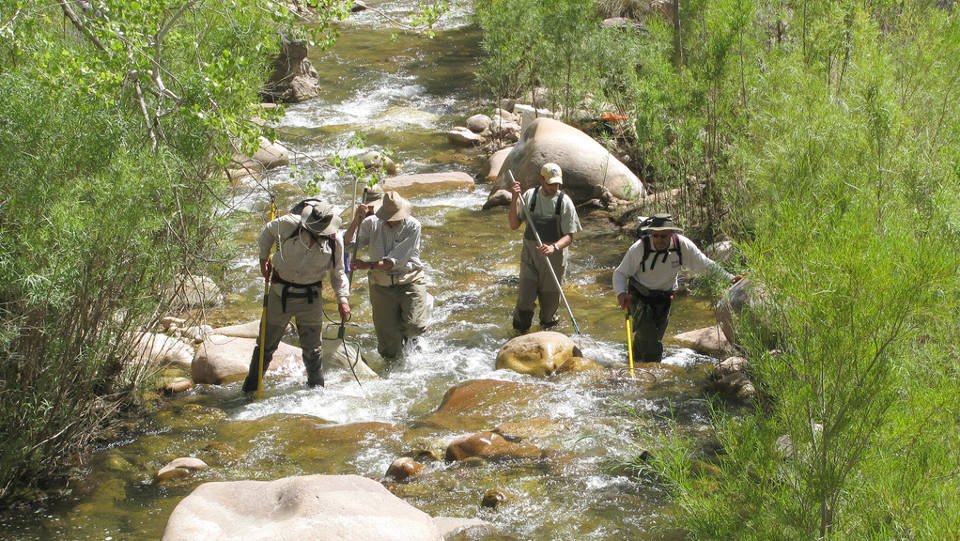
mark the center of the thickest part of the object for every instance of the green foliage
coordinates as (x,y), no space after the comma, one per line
(844,154)
(117,116)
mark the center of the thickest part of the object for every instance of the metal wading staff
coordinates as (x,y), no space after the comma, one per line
(630,341)
(349,262)
(553,273)
(263,313)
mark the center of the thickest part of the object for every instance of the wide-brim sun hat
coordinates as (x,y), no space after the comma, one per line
(659,222)
(373,197)
(551,173)
(394,207)
(318,218)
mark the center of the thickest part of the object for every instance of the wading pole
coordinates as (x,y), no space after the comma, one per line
(629,342)
(526,214)
(263,315)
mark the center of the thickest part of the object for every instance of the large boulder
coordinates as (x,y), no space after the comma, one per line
(269,155)
(744,301)
(221,359)
(495,163)
(308,508)
(160,349)
(409,185)
(589,170)
(538,354)
(294,79)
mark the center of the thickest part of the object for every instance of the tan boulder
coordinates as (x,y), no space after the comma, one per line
(308,508)
(460,135)
(250,329)
(745,299)
(579,364)
(160,349)
(221,359)
(495,163)
(479,123)
(537,354)
(488,445)
(178,469)
(589,170)
(709,341)
(269,155)
(409,185)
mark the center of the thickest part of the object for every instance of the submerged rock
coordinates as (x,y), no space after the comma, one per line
(405,468)
(477,404)
(178,469)
(488,445)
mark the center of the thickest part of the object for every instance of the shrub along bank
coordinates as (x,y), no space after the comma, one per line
(824,137)
(116,120)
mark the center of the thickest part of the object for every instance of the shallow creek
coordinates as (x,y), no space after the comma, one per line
(403,95)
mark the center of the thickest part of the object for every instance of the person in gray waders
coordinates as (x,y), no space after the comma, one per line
(647,277)
(398,291)
(555,218)
(308,245)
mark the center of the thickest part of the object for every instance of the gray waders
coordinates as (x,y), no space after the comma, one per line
(303,303)
(535,281)
(399,313)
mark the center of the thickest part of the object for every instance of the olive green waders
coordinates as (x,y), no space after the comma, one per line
(399,312)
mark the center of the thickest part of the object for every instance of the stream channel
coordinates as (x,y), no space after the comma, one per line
(404,94)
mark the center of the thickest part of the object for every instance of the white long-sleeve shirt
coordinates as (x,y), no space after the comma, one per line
(661,275)
(298,260)
(400,245)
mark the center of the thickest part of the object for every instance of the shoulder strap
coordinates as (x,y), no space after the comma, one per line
(533,200)
(646,252)
(559,202)
(676,246)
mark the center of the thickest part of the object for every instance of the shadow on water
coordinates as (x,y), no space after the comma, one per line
(404,94)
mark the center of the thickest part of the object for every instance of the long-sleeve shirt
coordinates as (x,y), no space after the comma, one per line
(661,275)
(301,261)
(399,245)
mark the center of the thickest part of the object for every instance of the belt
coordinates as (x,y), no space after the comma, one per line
(310,292)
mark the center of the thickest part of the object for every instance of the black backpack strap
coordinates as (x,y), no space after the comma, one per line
(559,202)
(646,252)
(533,200)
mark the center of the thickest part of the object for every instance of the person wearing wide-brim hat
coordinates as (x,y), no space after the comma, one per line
(647,277)
(555,218)
(398,292)
(308,246)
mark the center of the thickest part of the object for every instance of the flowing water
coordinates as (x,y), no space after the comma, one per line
(403,94)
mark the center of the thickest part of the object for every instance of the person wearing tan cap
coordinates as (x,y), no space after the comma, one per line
(308,245)
(555,218)
(646,278)
(398,291)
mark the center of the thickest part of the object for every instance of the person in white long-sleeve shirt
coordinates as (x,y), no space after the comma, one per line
(398,291)
(647,277)
(308,246)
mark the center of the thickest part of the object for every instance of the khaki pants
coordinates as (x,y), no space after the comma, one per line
(309,320)
(399,312)
(537,284)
